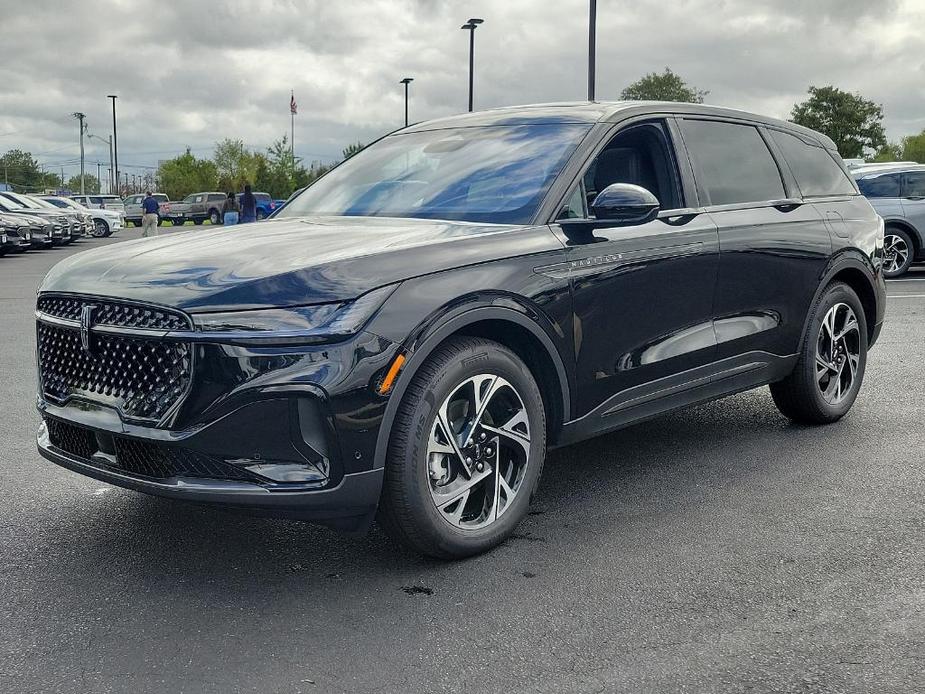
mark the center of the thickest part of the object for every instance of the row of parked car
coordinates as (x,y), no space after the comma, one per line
(195,208)
(41,221)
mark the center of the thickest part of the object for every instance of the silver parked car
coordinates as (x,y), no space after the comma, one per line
(101,202)
(897,192)
(134,213)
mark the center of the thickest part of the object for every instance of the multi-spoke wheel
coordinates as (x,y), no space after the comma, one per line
(478,452)
(830,369)
(467,449)
(898,252)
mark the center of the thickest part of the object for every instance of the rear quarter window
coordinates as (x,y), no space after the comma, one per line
(732,163)
(880,186)
(813,167)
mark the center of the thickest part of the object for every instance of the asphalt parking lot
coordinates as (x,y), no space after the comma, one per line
(720,549)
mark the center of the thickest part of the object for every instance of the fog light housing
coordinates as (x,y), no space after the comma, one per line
(286,471)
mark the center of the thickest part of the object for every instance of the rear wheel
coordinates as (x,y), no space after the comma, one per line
(466,451)
(898,252)
(160,220)
(100,228)
(260,214)
(830,370)
(215,218)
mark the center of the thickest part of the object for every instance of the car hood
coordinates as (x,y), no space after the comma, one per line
(286,262)
(20,219)
(44,214)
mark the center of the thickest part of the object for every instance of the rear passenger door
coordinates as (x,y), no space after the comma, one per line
(773,246)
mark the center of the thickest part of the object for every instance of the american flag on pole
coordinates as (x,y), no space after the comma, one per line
(293,107)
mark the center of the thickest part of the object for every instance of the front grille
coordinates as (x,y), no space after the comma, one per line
(141,377)
(142,458)
(114,313)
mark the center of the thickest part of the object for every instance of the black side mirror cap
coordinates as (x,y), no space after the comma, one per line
(625,204)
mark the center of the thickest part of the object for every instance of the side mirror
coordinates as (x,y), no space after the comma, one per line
(625,204)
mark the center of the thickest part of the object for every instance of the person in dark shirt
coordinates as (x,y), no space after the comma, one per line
(248,206)
(149,206)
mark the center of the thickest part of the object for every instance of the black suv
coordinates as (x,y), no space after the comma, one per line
(414,330)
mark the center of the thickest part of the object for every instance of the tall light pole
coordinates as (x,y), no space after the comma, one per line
(592,45)
(80,119)
(406,81)
(471,25)
(108,141)
(115,141)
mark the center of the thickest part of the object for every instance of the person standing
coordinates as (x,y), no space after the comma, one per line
(231,210)
(149,207)
(248,205)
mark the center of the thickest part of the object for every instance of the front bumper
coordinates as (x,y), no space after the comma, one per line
(250,413)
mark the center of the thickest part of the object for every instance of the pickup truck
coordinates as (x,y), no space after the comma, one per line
(265,204)
(198,207)
(133,211)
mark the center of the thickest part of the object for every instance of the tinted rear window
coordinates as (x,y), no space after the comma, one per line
(732,163)
(915,184)
(880,186)
(160,198)
(814,168)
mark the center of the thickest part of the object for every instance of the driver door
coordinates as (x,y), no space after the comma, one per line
(642,294)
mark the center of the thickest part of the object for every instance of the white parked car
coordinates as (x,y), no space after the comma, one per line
(105,222)
(101,202)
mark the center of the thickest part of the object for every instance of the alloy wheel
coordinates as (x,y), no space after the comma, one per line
(838,350)
(100,228)
(896,253)
(478,451)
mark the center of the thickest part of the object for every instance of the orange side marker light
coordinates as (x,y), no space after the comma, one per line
(390,377)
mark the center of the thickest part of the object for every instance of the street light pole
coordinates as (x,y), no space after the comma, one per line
(115,141)
(592,46)
(108,141)
(406,81)
(80,119)
(99,178)
(471,26)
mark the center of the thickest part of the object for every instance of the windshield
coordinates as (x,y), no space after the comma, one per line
(24,201)
(496,174)
(10,204)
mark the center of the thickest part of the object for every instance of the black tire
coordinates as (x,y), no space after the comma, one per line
(407,510)
(800,396)
(160,220)
(198,222)
(100,229)
(895,268)
(260,215)
(215,218)
(178,222)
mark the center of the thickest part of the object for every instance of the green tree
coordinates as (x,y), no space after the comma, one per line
(891,151)
(236,164)
(913,148)
(666,86)
(91,184)
(350,150)
(853,122)
(186,174)
(19,169)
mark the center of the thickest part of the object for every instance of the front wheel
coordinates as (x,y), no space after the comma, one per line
(825,382)
(466,452)
(100,228)
(898,252)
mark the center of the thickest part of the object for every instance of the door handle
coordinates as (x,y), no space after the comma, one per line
(787,204)
(680,216)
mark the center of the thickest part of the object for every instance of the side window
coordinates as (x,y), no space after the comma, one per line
(641,155)
(814,168)
(880,186)
(214,198)
(732,163)
(915,185)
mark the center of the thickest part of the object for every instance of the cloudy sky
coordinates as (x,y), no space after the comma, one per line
(193,72)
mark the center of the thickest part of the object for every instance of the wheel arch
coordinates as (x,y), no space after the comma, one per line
(857,274)
(904,224)
(508,327)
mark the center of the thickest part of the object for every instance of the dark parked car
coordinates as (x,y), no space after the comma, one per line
(15,236)
(445,305)
(60,224)
(38,229)
(897,193)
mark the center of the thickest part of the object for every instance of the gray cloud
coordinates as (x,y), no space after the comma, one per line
(190,73)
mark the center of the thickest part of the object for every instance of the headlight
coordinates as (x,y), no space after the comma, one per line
(317,323)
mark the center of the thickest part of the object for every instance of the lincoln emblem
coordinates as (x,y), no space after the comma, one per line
(86,321)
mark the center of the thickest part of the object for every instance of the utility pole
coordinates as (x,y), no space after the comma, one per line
(80,118)
(99,178)
(592,45)
(115,140)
